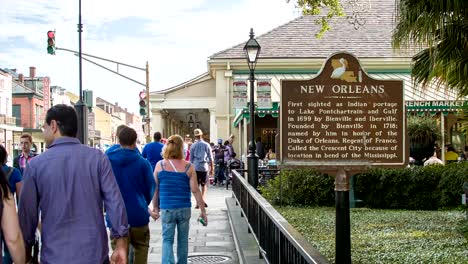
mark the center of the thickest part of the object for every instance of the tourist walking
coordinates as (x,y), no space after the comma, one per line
(13,178)
(69,184)
(116,145)
(152,151)
(202,159)
(220,161)
(10,230)
(175,179)
(136,182)
(26,155)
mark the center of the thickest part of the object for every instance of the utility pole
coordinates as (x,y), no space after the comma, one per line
(148,126)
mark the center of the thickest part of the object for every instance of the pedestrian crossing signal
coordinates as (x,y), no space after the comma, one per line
(51,42)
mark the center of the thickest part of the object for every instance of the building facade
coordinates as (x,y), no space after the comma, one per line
(8,124)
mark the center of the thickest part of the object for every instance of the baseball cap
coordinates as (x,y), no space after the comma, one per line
(197,132)
(220,141)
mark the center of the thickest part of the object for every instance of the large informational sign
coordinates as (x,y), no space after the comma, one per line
(343,117)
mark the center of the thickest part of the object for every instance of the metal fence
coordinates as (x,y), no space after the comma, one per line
(279,242)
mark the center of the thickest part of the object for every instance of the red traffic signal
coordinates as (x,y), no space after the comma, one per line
(142,103)
(51,42)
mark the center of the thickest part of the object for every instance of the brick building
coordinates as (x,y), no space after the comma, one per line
(31,100)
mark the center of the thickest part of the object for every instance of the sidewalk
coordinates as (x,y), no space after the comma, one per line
(211,244)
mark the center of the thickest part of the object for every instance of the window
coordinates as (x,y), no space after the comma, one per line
(39,120)
(16,111)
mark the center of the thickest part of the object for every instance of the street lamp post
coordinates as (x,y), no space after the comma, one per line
(252,50)
(81,108)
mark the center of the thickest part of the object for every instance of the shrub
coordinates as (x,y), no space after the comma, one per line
(300,187)
(416,188)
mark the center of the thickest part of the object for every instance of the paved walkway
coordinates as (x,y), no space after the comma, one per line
(215,239)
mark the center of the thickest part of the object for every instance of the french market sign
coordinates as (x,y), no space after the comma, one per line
(454,105)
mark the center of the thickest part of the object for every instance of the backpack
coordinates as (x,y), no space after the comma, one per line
(219,152)
(235,164)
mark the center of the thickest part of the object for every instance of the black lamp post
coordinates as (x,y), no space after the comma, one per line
(80,107)
(252,50)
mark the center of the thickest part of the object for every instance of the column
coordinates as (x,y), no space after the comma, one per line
(213,127)
(239,140)
(245,140)
(157,121)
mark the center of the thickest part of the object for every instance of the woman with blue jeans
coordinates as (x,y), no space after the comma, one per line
(175,179)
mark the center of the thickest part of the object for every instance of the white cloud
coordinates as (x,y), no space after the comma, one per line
(181,36)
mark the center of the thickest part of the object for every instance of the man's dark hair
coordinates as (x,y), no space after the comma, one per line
(66,118)
(118,129)
(157,136)
(127,136)
(3,155)
(259,139)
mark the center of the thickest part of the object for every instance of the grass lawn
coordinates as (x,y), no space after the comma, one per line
(386,236)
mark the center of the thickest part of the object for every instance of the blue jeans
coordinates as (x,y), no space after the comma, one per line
(172,218)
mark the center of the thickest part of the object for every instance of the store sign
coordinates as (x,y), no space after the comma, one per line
(239,94)
(264,94)
(343,117)
(447,105)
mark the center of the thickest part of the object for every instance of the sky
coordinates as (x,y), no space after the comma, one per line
(175,37)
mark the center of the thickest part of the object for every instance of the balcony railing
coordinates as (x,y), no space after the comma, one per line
(7,120)
(279,242)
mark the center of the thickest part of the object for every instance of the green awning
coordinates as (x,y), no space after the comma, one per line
(261,112)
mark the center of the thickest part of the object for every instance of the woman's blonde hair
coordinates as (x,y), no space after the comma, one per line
(174,148)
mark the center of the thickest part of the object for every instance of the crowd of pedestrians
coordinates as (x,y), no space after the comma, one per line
(76,198)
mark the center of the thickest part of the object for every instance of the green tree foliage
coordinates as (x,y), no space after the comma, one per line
(315,7)
(439,28)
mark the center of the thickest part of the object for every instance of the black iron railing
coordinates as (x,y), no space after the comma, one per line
(278,241)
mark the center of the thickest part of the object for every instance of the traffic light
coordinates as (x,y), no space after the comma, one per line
(142,96)
(51,42)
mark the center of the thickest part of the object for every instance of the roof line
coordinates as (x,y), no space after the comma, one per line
(23,86)
(258,37)
(181,85)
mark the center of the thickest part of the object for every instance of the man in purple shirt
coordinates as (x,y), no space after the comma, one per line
(67,186)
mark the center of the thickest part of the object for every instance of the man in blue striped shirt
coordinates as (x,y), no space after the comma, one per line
(69,184)
(201,157)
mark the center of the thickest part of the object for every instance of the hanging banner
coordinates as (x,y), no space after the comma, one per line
(264,94)
(239,94)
